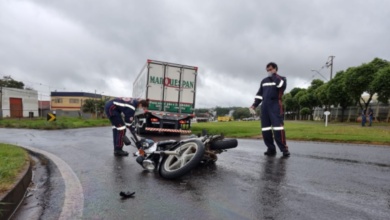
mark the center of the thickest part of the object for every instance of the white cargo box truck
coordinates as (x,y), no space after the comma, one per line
(171,90)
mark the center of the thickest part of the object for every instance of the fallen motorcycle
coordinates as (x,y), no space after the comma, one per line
(173,158)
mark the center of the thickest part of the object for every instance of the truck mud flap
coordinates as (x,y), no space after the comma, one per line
(168,130)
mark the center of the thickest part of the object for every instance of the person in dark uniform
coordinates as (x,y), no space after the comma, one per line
(272,122)
(370,115)
(364,114)
(114,110)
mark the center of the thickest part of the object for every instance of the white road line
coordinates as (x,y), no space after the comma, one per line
(74,197)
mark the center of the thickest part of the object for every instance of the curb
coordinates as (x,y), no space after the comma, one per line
(12,199)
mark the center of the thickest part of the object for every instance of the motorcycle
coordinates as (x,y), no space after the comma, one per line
(173,158)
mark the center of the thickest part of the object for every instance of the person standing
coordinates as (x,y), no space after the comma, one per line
(114,110)
(269,96)
(370,115)
(363,117)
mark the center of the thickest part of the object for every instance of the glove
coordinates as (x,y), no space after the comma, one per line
(252,111)
(141,152)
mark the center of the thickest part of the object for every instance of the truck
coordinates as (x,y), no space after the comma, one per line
(171,90)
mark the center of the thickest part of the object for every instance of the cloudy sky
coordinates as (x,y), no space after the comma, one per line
(101,45)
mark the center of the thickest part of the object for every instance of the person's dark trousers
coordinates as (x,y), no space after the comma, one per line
(370,120)
(272,127)
(118,131)
(363,120)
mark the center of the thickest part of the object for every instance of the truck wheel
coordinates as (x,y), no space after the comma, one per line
(224,144)
(191,153)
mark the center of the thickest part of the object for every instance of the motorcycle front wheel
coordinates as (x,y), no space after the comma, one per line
(174,166)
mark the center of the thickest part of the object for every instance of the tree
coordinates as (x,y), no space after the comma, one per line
(308,98)
(241,113)
(322,95)
(7,81)
(381,84)
(222,111)
(361,79)
(338,92)
(290,100)
(305,111)
(296,98)
(291,105)
(295,91)
(94,106)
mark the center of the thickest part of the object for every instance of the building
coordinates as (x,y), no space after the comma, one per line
(18,103)
(71,101)
(44,107)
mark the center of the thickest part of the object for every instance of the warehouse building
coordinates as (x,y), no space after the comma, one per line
(18,103)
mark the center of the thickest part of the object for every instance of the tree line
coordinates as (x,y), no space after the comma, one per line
(344,90)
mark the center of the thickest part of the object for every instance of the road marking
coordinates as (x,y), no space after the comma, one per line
(74,197)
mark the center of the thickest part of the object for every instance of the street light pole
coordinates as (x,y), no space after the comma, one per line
(330,64)
(95,105)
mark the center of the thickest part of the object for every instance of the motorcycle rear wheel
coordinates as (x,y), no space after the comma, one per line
(226,143)
(173,166)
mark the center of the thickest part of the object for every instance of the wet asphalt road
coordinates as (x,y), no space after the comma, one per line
(318,181)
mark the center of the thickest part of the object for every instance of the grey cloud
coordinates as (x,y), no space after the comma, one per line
(104,44)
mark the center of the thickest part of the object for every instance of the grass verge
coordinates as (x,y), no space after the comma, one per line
(13,159)
(304,130)
(60,123)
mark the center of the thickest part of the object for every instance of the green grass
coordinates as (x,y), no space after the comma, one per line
(12,161)
(60,123)
(379,133)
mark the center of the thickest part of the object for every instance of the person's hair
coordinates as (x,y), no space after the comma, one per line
(273,65)
(144,103)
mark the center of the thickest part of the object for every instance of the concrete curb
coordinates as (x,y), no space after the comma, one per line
(11,200)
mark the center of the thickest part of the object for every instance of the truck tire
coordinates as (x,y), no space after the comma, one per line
(173,167)
(227,143)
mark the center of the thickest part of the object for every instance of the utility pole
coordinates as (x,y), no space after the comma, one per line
(1,101)
(330,64)
(95,105)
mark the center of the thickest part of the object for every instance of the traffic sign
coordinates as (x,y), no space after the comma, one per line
(51,117)
(327,113)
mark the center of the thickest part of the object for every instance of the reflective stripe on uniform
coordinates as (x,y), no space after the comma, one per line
(269,84)
(258,97)
(280,84)
(119,128)
(127,124)
(266,129)
(278,128)
(124,105)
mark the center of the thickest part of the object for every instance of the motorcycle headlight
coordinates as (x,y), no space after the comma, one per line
(148,164)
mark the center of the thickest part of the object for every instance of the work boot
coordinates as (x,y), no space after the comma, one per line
(120,153)
(286,154)
(270,153)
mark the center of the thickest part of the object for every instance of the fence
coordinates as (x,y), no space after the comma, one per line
(353,113)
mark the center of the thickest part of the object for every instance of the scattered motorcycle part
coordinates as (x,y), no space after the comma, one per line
(126,195)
